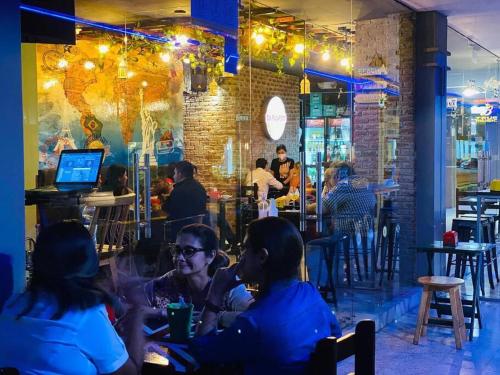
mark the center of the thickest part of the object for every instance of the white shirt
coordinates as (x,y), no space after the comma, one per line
(263,179)
(81,342)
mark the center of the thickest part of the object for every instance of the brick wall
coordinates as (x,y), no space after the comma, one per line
(391,38)
(210,120)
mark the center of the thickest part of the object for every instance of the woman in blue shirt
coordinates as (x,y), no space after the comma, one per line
(279,331)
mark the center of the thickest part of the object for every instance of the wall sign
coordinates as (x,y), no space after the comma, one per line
(486,113)
(275,118)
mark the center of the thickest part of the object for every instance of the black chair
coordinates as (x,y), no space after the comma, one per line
(9,371)
(465,226)
(389,248)
(250,191)
(331,350)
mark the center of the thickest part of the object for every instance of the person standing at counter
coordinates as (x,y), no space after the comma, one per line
(262,178)
(282,166)
(188,198)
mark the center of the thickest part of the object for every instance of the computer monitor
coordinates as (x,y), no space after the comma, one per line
(79,167)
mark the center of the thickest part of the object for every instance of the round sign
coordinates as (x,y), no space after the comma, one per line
(275,118)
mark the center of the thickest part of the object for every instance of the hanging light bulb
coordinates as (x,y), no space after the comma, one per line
(50,83)
(344,62)
(259,38)
(62,64)
(182,39)
(122,69)
(165,57)
(144,83)
(299,48)
(103,48)
(325,56)
(89,65)
(130,74)
(239,67)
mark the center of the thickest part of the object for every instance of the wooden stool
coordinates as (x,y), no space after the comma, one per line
(443,284)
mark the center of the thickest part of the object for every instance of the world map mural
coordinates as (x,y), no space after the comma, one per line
(93,95)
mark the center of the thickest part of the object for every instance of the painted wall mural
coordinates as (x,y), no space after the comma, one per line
(95,95)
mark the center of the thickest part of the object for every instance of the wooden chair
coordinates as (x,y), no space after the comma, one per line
(329,351)
(450,285)
(108,225)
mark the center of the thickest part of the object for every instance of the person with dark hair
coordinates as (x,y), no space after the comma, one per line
(282,166)
(188,198)
(60,324)
(116,180)
(262,178)
(350,202)
(196,258)
(279,331)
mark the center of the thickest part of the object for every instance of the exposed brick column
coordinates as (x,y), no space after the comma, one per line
(393,39)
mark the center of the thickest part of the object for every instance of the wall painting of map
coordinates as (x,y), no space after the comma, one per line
(90,96)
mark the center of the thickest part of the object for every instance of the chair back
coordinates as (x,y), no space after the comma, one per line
(109,221)
(250,191)
(330,350)
(6,279)
(8,371)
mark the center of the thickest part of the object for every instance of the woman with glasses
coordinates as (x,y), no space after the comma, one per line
(196,259)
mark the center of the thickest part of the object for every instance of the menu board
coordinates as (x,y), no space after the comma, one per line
(316,102)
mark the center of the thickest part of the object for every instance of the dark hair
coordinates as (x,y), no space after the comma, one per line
(260,163)
(112,181)
(343,170)
(65,264)
(283,242)
(185,168)
(281,147)
(209,242)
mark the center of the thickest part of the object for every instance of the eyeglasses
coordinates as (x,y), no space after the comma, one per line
(186,251)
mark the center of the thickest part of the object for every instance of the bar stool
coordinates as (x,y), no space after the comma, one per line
(389,249)
(330,246)
(450,285)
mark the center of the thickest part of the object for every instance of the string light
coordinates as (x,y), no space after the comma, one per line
(130,74)
(89,65)
(299,48)
(62,64)
(103,48)
(344,62)
(325,56)
(239,67)
(144,83)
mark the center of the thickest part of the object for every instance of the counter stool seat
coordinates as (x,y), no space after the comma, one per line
(447,284)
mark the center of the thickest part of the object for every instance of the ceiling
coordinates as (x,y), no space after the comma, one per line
(331,14)
(477,19)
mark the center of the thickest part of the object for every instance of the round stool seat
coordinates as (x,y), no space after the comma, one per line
(440,281)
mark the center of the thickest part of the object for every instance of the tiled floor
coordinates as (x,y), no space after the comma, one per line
(436,353)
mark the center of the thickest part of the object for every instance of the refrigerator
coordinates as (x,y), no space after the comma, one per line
(329,135)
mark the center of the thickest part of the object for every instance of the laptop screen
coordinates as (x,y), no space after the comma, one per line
(79,166)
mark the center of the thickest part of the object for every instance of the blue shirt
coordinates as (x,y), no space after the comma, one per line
(276,335)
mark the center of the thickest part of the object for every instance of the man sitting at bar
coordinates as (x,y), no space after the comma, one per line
(187,199)
(279,331)
(262,178)
(349,200)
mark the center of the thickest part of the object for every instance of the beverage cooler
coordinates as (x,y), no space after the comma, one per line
(329,135)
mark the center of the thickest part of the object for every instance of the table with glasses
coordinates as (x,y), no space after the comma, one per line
(470,252)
